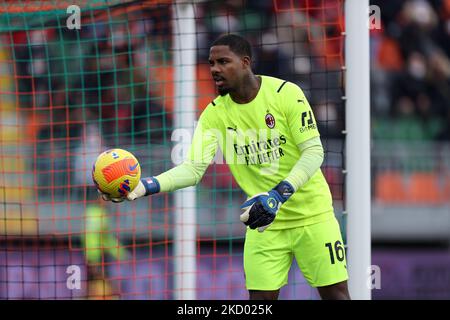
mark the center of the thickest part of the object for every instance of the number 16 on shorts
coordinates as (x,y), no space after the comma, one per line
(336,250)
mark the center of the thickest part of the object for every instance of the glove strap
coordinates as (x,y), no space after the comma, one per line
(151,185)
(285,190)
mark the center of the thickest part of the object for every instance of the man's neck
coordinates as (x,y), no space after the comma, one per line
(248,90)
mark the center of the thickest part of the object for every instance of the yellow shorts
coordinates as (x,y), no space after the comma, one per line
(318,249)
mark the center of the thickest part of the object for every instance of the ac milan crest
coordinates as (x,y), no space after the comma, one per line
(270,120)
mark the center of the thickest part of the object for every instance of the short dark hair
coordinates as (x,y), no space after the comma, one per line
(239,45)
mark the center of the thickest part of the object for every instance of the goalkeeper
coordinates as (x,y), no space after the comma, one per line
(267,132)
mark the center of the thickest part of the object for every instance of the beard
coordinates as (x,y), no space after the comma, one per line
(223,91)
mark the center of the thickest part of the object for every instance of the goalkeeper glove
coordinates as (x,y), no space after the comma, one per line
(145,187)
(261,209)
(107,197)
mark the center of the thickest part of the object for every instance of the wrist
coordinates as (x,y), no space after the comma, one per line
(284,191)
(151,185)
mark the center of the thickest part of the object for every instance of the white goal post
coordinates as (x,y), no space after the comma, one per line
(358,195)
(185,233)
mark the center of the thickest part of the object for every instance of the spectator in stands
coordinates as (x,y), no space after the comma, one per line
(412,71)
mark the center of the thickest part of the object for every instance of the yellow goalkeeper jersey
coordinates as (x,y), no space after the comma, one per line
(259,141)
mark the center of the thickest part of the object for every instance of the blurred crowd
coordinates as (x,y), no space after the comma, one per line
(84,92)
(99,76)
(410,65)
(118,74)
(411,71)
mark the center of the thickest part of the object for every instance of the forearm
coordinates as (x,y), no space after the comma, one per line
(184,175)
(310,161)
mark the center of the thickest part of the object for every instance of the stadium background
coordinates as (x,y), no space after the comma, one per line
(65,95)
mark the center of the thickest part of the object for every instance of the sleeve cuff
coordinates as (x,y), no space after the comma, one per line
(151,185)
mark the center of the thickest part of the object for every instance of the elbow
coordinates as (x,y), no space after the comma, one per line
(197,178)
(196,172)
(318,153)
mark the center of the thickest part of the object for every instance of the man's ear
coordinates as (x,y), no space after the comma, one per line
(246,61)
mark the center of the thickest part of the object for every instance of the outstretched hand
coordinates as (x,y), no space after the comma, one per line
(145,187)
(137,192)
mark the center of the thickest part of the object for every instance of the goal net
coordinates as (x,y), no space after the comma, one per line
(78,77)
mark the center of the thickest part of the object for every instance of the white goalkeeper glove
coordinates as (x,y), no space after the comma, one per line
(107,197)
(145,187)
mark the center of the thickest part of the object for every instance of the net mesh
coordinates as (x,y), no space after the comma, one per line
(68,94)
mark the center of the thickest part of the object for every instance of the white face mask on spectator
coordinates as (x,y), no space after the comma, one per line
(417,68)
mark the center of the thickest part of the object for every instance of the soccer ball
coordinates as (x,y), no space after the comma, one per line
(116,172)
